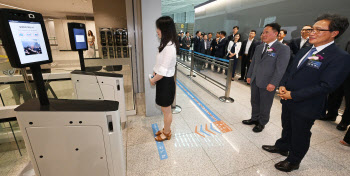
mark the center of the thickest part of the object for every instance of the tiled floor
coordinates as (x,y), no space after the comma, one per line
(234,153)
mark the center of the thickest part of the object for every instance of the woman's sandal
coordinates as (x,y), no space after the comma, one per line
(344,143)
(163,137)
(159,132)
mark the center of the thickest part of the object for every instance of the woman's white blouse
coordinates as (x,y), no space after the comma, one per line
(237,48)
(166,61)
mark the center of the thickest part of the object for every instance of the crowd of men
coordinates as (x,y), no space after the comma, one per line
(311,74)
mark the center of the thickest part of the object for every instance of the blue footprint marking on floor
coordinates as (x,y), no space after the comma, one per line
(160,145)
(201,130)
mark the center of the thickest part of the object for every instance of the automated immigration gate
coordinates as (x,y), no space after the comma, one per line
(95,85)
(63,137)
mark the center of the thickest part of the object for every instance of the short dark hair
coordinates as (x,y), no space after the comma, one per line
(197,32)
(236,27)
(187,32)
(223,33)
(337,22)
(210,33)
(253,31)
(218,32)
(284,31)
(275,26)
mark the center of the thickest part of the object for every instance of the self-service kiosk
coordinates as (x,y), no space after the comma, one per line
(96,85)
(62,137)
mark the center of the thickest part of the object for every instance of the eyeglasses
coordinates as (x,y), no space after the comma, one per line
(317,31)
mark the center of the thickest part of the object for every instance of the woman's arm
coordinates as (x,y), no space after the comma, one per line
(238,48)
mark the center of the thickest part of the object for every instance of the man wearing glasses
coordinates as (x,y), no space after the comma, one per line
(315,72)
(303,41)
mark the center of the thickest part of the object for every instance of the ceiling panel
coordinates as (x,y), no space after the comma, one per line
(179,6)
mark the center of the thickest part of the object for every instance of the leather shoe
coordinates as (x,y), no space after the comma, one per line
(258,128)
(241,78)
(250,122)
(274,149)
(342,126)
(286,166)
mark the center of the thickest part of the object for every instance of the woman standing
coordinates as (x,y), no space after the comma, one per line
(233,50)
(91,41)
(164,70)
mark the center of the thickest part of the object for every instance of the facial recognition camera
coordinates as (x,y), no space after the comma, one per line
(77,36)
(31,15)
(24,38)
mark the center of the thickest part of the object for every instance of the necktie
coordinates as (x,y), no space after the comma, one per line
(306,58)
(265,49)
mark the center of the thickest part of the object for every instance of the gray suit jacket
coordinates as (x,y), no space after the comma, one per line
(268,69)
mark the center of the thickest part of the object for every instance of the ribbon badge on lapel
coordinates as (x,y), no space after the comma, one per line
(271,51)
(315,61)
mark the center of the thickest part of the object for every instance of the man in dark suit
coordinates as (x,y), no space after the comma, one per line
(281,36)
(246,53)
(301,42)
(214,43)
(196,41)
(235,30)
(204,45)
(180,39)
(334,102)
(268,65)
(196,47)
(315,72)
(186,43)
(221,45)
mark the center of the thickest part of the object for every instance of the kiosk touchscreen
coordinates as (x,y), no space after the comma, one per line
(77,36)
(25,39)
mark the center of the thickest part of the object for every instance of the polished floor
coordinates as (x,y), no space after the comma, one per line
(234,153)
(229,154)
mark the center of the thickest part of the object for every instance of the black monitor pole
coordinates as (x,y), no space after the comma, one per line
(40,86)
(81,58)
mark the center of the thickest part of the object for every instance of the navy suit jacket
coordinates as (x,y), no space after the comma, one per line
(196,46)
(221,48)
(309,86)
(295,45)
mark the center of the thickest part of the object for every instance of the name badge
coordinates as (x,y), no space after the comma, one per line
(272,54)
(314,64)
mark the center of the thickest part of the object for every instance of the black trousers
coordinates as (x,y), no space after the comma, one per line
(296,134)
(245,66)
(335,100)
(347,137)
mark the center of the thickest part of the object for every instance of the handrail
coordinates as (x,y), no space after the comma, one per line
(225,63)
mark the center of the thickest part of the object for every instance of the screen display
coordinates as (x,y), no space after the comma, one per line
(79,37)
(29,41)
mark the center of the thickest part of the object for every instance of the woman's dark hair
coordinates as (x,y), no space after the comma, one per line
(167,27)
(238,39)
(92,34)
(337,22)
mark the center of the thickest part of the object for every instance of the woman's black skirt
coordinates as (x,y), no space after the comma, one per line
(165,91)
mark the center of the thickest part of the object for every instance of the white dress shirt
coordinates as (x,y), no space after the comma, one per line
(205,44)
(303,41)
(249,43)
(281,41)
(166,61)
(237,48)
(318,49)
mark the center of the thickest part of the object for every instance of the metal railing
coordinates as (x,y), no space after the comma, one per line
(195,58)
